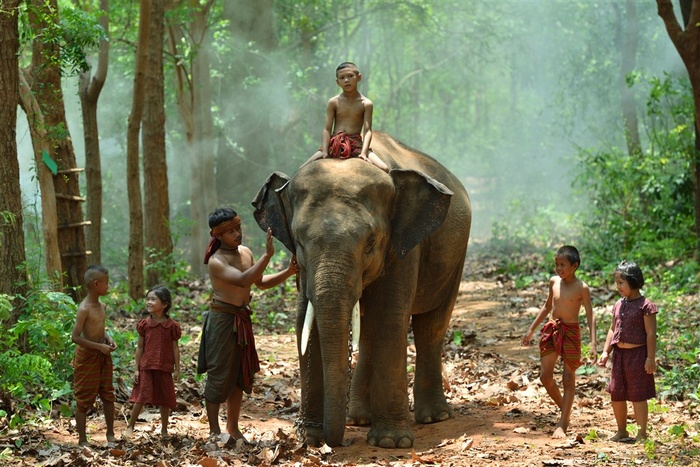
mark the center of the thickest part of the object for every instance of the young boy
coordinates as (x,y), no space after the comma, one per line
(92,366)
(561,335)
(227,349)
(349,121)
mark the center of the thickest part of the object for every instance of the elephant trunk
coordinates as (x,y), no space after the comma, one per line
(333,300)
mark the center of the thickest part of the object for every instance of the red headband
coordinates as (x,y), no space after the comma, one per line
(215,243)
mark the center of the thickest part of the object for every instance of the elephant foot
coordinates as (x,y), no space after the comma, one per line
(314,436)
(390,438)
(433,414)
(358,420)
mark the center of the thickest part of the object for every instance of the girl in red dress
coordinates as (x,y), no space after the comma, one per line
(157,360)
(632,341)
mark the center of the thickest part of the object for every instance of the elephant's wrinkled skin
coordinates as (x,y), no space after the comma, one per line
(397,243)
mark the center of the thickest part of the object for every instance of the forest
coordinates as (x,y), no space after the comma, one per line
(124,123)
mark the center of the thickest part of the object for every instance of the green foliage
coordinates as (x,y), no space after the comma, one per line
(457,337)
(41,374)
(5,306)
(641,204)
(66,40)
(656,407)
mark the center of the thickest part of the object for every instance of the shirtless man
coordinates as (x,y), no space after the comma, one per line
(561,335)
(227,349)
(92,366)
(348,128)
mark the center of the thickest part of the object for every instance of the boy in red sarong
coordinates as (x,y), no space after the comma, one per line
(92,366)
(561,335)
(348,129)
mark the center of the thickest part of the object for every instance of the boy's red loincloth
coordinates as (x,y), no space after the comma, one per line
(344,145)
(564,339)
(92,376)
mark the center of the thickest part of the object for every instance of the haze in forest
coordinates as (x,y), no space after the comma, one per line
(505,94)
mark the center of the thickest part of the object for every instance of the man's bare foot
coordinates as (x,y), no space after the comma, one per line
(641,437)
(559,433)
(164,432)
(111,438)
(128,433)
(84,442)
(620,435)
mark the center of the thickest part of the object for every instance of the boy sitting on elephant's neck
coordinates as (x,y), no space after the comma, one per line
(349,121)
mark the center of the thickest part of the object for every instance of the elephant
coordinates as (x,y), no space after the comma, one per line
(395,243)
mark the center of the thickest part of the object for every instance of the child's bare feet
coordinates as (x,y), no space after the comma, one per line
(559,433)
(620,435)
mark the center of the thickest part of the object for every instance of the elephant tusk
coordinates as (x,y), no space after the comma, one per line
(355,326)
(306,330)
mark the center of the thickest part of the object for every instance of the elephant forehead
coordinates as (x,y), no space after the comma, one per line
(346,180)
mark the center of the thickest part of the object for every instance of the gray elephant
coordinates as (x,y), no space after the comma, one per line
(396,244)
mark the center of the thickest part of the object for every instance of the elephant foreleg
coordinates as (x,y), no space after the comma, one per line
(311,373)
(359,413)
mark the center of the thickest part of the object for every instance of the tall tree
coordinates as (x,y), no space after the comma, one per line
(687,43)
(41,145)
(189,41)
(133,176)
(158,241)
(44,78)
(89,89)
(254,39)
(627,38)
(13,276)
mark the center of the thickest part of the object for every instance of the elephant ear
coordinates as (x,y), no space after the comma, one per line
(270,209)
(420,207)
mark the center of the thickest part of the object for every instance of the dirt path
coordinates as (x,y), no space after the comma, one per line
(502,415)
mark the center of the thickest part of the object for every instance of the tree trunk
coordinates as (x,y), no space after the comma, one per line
(628,46)
(249,23)
(159,244)
(41,145)
(687,43)
(46,86)
(89,91)
(194,104)
(13,274)
(133,179)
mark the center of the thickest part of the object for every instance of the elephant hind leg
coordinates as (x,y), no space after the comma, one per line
(429,331)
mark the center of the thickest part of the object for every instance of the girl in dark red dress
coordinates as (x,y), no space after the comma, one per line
(632,341)
(157,360)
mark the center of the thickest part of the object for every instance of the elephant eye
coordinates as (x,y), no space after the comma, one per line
(371,242)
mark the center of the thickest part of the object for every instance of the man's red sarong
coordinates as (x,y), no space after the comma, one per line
(227,351)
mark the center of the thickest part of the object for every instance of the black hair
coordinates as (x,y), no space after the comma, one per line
(569,252)
(163,294)
(631,273)
(221,215)
(344,65)
(93,272)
